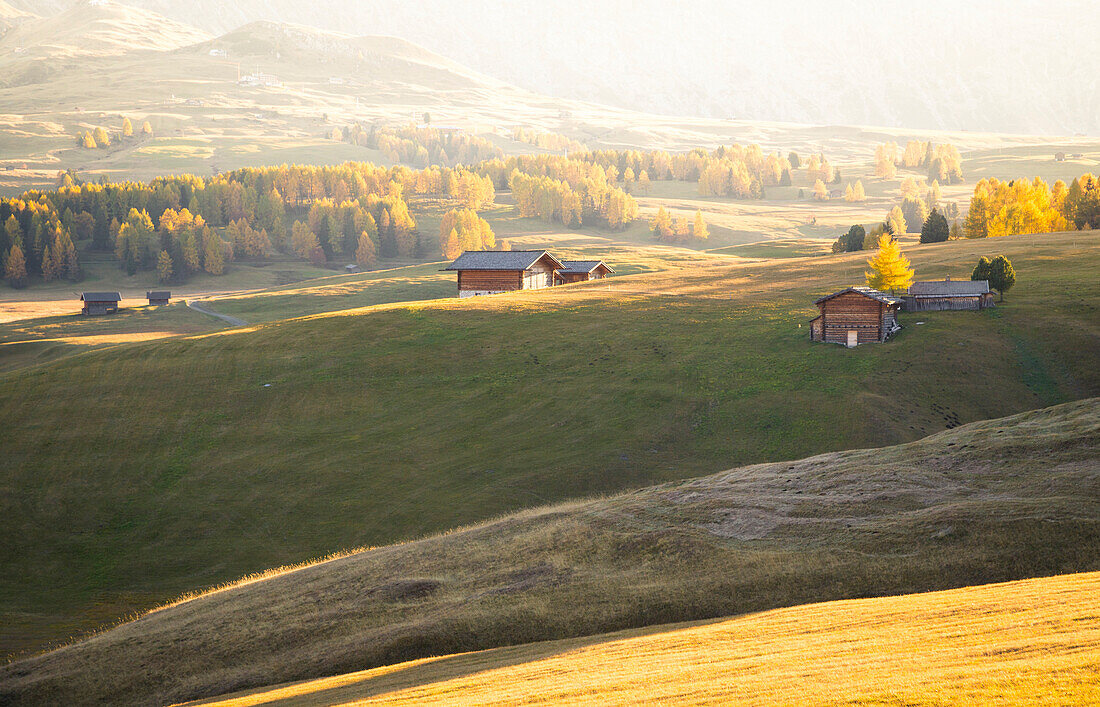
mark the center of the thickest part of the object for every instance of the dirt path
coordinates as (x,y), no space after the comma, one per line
(231,321)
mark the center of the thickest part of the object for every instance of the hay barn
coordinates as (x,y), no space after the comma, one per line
(856,315)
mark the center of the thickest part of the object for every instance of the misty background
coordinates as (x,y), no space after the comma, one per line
(1022,67)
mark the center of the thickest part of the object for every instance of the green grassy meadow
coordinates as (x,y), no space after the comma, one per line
(149,469)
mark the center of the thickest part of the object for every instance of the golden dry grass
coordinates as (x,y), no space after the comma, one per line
(1027,642)
(991,501)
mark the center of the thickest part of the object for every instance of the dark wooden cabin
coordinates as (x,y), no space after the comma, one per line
(158,297)
(583,270)
(856,315)
(100,302)
(939,295)
(488,272)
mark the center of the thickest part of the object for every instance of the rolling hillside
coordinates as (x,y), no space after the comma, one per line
(990,501)
(140,472)
(1028,642)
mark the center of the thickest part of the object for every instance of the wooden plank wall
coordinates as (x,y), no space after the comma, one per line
(491,280)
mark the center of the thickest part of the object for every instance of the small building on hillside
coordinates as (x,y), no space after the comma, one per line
(948,294)
(158,297)
(856,315)
(488,272)
(100,302)
(583,270)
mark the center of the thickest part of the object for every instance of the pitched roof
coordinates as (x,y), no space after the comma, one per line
(101,297)
(158,294)
(866,292)
(583,266)
(500,260)
(949,288)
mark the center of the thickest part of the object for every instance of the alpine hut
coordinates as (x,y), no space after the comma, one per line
(856,315)
(938,295)
(488,272)
(583,270)
(100,302)
(158,297)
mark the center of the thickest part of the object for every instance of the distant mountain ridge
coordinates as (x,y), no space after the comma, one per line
(979,66)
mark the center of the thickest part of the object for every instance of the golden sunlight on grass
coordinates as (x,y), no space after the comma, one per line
(1033,641)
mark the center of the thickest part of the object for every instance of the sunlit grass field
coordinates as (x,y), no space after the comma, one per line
(1027,642)
(996,500)
(202,459)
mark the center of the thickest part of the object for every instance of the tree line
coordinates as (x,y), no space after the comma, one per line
(943,163)
(1018,206)
(423,146)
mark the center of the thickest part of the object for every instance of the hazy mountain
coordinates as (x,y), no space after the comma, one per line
(980,65)
(97,28)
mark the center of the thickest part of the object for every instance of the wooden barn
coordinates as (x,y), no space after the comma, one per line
(856,315)
(100,302)
(488,272)
(939,295)
(583,270)
(158,297)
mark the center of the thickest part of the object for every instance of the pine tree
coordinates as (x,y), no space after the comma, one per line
(981,270)
(127,128)
(956,231)
(13,231)
(858,192)
(794,160)
(661,225)
(213,253)
(452,246)
(849,193)
(15,269)
(147,129)
(935,228)
(102,139)
(164,267)
(699,228)
(890,271)
(895,220)
(1002,276)
(365,253)
(821,193)
(52,267)
(89,141)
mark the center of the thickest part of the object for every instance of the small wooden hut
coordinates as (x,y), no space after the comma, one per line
(583,270)
(158,297)
(856,315)
(939,295)
(100,302)
(488,272)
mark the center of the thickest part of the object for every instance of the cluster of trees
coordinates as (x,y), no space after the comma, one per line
(819,169)
(100,138)
(423,146)
(1009,208)
(547,141)
(942,162)
(855,193)
(36,240)
(998,271)
(565,190)
(678,230)
(462,230)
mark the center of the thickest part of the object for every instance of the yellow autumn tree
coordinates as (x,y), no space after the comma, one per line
(890,271)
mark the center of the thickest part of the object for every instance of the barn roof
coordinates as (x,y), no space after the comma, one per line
(158,294)
(500,260)
(949,288)
(583,266)
(101,297)
(866,292)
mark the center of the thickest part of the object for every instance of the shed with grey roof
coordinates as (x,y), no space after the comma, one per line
(855,315)
(939,295)
(100,302)
(487,272)
(584,270)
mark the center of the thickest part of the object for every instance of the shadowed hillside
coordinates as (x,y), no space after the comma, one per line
(991,501)
(150,469)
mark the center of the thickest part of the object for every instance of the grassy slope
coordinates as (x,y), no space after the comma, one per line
(991,501)
(134,474)
(1032,641)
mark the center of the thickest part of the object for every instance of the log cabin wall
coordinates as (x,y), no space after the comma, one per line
(490,280)
(852,312)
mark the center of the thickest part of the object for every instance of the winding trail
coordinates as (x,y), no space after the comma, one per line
(231,321)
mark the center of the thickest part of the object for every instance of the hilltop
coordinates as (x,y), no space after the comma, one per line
(219,455)
(100,28)
(990,501)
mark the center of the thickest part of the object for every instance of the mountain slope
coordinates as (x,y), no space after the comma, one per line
(991,501)
(997,644)
(99,28)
